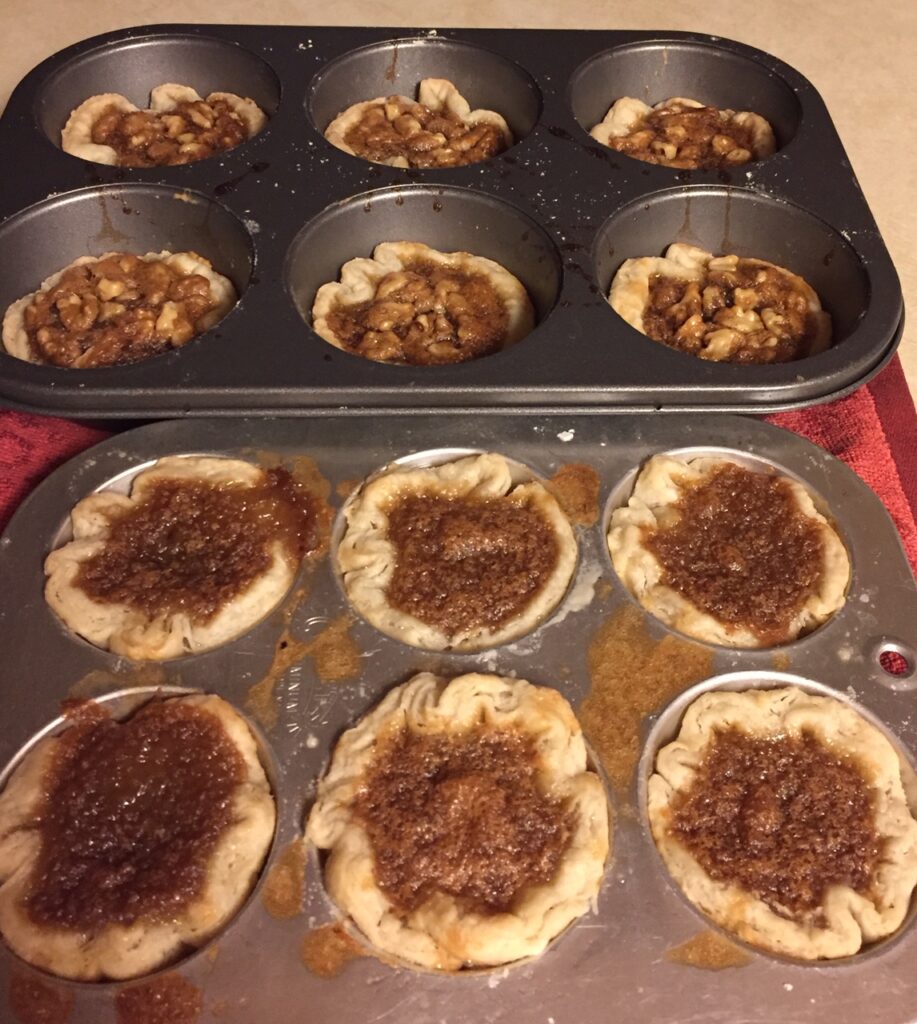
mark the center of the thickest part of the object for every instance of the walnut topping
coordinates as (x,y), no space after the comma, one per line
(425,138)
(679,134)
(740,310)
(116,310)
(190,131)
(426,314)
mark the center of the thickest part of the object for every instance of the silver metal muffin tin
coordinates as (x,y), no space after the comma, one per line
(281,213)
(611,964)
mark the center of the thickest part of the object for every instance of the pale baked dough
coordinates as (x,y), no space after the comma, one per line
(126,951)
(625,114)
(76,137)
(440,934)
(127,630)
(437,94)
(659,485)
(630,289)
(360,278)
(366,558)
(850,919)
(16,338)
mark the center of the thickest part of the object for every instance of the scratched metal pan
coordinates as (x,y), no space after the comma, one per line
(281,213)
(611,964)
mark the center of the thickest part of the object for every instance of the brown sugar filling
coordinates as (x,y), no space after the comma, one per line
(427,314)
(423,137)
(741,550)
(188,132)
(703,138)
(131,815)
(192,546)
(464,562)
(461,815)
(761,303)
(784,817)
(117,310)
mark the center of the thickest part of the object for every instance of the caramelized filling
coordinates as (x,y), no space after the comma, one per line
(192,545)
(117,310)
(131,814)
(762,310)
(676,135)
(188,132)
(784,817)
(427,314)
(424,138)
(461,815)
(741,550)
(465,562)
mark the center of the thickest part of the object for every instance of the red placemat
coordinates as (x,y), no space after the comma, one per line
(872,430)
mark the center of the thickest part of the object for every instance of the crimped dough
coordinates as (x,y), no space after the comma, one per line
(629,294)
(76,137)
(625,113)
(366,558)
(440,934)
(360,277)
(851,919)
(16,338)
(126,951)
(437,94)
(660,484)
(127,630)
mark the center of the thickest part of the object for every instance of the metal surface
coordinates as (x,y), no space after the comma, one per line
(610,965)
(298,208)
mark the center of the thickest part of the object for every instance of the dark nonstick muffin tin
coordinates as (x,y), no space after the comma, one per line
(282,212)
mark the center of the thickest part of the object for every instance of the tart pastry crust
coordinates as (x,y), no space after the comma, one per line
(437,94)
(367,558)
(440,934)
(725,336)
(222,291)
(847,919)
(660,484)
(625,115)
(360,279)
(76,137)
(122,950)
(128,630)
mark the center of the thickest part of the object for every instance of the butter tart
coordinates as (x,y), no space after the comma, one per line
(722,308)
(463,824)
(439,130)
(726,554)
(117,308)
(180,127)
(123,844)
(785,817)
(413,305)
(681,132)
(456,556)
(199,552)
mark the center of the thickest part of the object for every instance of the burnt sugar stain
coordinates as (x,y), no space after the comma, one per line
(230,186)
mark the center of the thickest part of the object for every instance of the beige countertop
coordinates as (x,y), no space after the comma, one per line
(859,56)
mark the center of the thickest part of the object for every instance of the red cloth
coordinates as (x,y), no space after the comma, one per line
(872,430)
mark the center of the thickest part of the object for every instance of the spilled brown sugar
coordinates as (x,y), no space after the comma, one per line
(285,886)
(633,676)
(709,951)
(326,951)
(576,487)
(32,1001)
(169,999)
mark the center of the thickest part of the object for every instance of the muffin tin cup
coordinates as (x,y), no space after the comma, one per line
(615,957)
(122,704)
(582,357)
(666,729)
